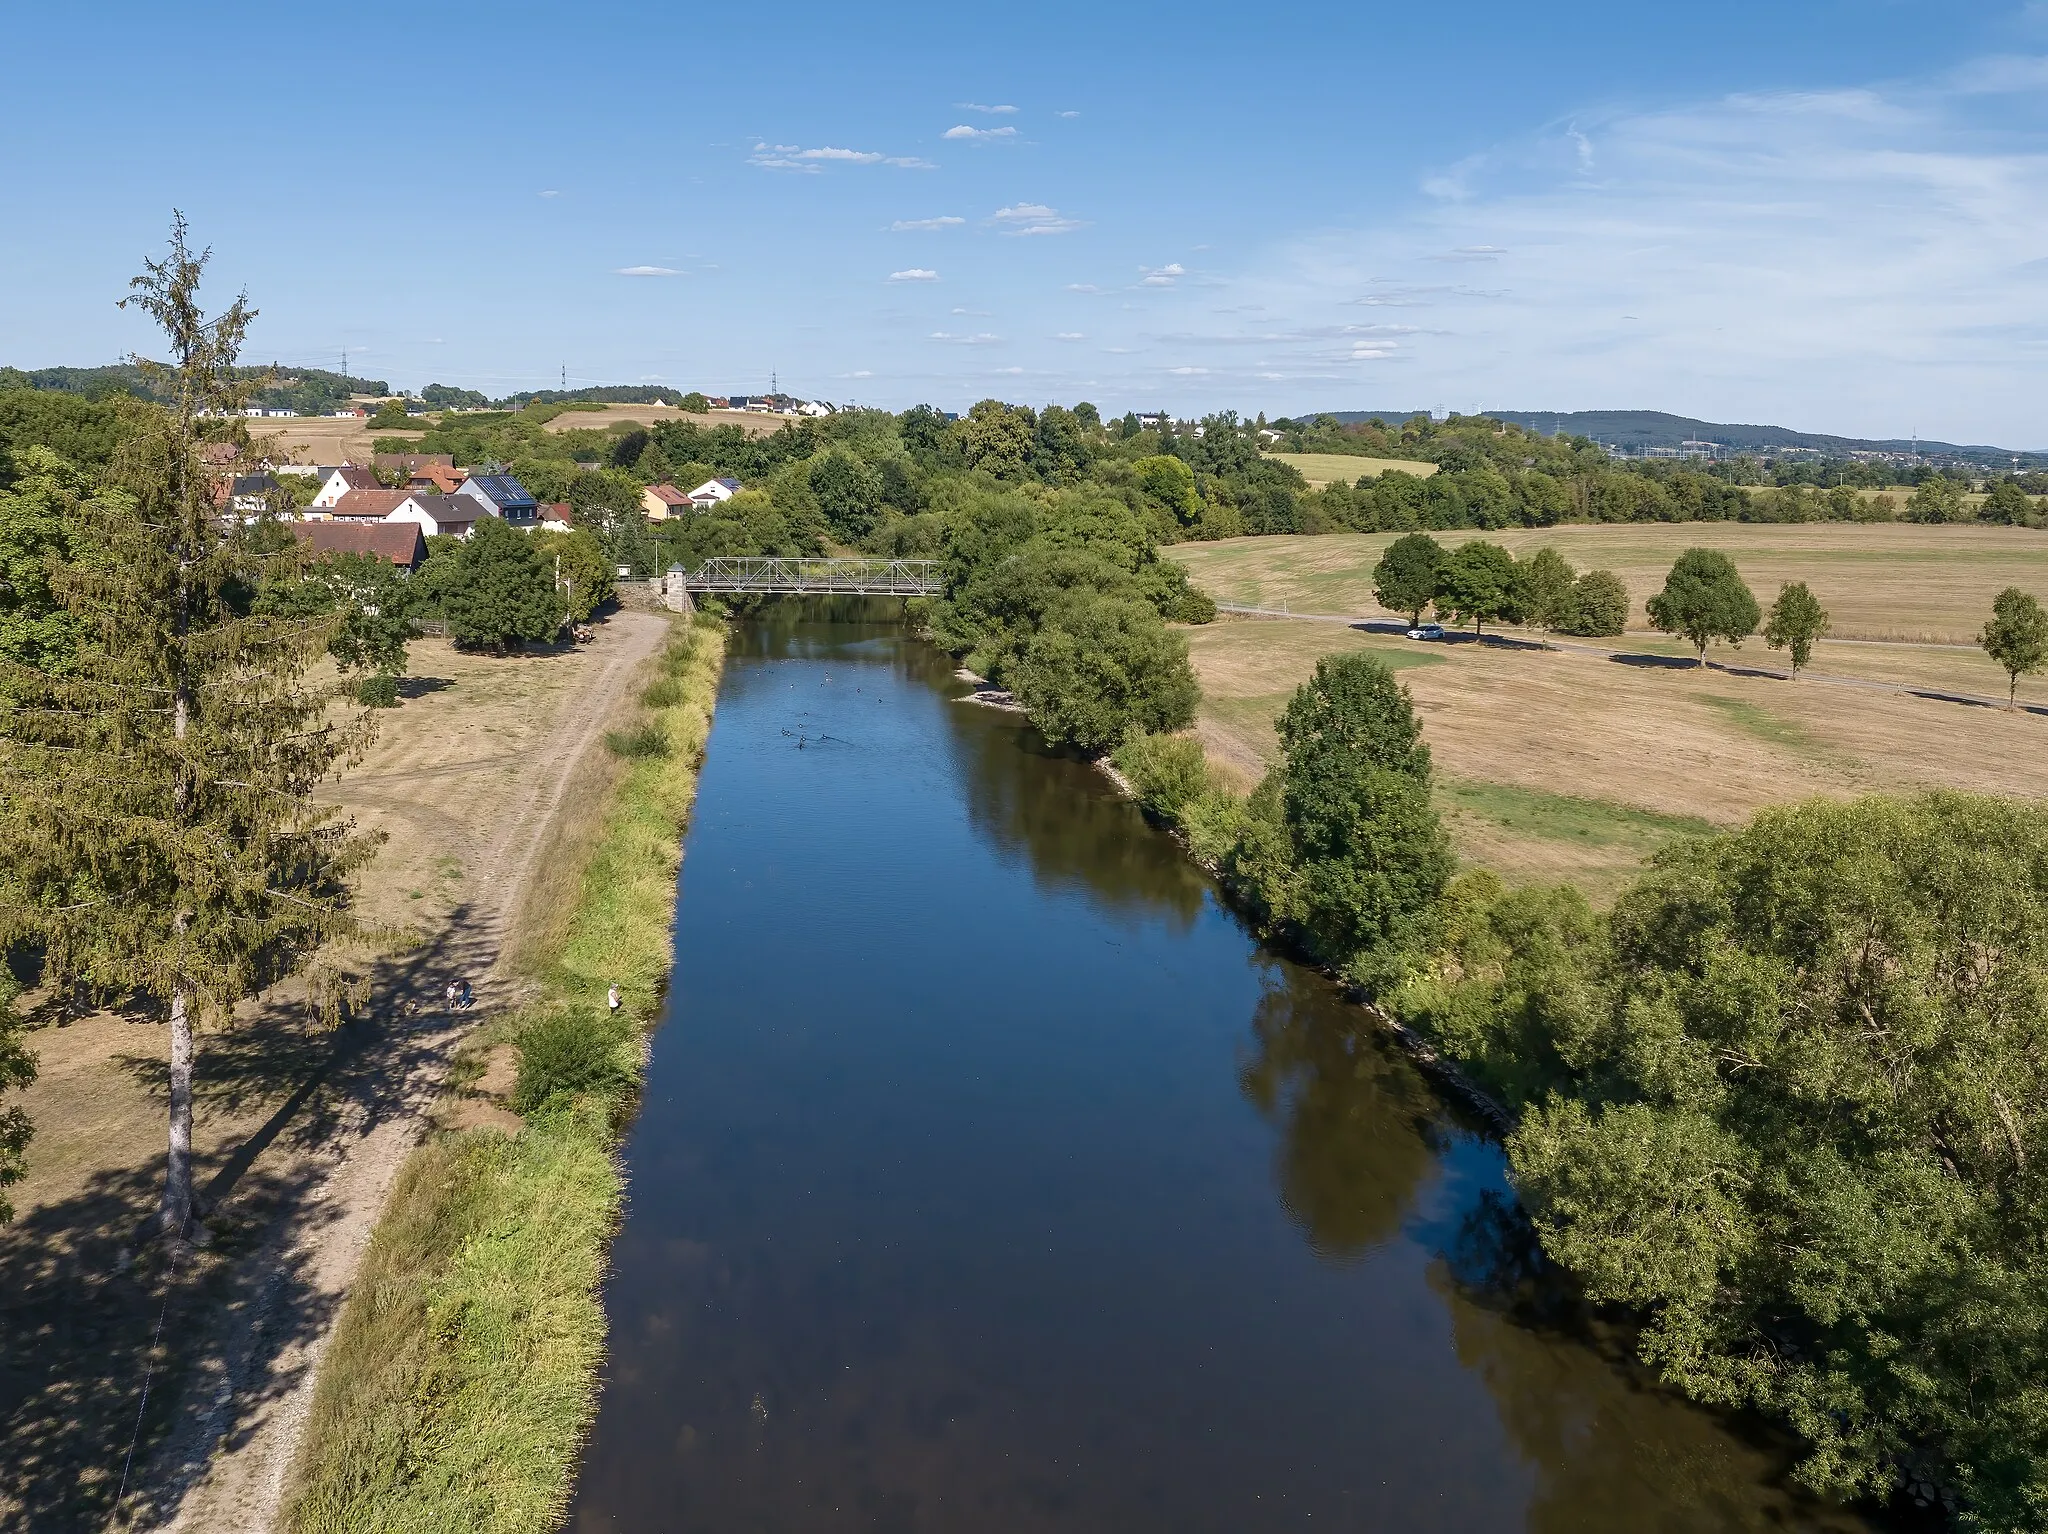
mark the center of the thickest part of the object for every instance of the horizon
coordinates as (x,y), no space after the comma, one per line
(1841,234)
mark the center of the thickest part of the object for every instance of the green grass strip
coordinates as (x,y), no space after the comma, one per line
(1567,817)
(463,1372)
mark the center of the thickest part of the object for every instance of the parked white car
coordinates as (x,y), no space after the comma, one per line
(1427,631)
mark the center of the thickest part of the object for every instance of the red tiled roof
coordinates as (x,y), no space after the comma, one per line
(554,511)
(399,542)
(669,495)
(368,505)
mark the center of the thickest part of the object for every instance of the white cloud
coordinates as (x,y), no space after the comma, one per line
(945,222)
(1008,372)
(1860,261)
(809,161)
(1161,276)
(1083,287)
(982,339)
(974,106)
(858,373)
(915,274)
(1070,335)
(550,193)
(648,271)
(1189,372)
(1033,218)
(1066,114)
(963,131)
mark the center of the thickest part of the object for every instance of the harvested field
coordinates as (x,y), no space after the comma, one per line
(298,1129)
(1889,581)
(315,439)
(1576,763)
(1321,469)
(653,415)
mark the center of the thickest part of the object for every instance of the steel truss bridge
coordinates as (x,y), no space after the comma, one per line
(847,577)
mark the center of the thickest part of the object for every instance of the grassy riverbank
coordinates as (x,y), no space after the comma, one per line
(463,1372)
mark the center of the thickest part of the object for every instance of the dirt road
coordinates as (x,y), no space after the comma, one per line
(224,1469)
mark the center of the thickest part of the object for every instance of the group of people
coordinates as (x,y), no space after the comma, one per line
(458,997)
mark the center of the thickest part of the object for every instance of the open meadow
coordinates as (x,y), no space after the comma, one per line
(1576,761)
(750,422)
(1890,581)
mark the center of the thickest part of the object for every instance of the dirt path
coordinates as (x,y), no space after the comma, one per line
(225,1468)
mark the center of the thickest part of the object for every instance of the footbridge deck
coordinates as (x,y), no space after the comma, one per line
(845,577)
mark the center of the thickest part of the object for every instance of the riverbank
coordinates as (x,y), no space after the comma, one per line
(464,1367)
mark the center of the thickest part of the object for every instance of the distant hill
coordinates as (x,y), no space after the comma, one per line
(308,391)
(1638,431)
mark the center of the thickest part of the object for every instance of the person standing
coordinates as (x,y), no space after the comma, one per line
(611,1001)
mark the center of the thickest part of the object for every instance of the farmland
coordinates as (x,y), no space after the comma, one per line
(1575,762)
(1321,469)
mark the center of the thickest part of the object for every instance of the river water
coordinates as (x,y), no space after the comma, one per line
(991,1178)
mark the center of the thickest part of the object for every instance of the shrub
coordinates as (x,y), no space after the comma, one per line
(644,740)
(1168,771)
(1102,667)
(663,692)
(568,1052)
(378,690)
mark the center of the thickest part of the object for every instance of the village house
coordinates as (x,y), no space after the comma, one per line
(554,516)
(501,495)
(436,478)
(402,543)
(341,482)
(712,491)
(367,505)
(454,515)
(661,502)
(250,494)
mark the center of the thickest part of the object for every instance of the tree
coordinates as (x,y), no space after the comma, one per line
(2016,637)
(1170,483)
(1599,606)
(1939,499)
(157,827)
(1704,599)
(37,518)
(997,438)
(1480,580)
(17,1070)
(696,403)
(1802,1135)
(2007,504)
(1370,855)
(370,604)
(1797,623)
(1405,579)
(584,574)
(501,592)
(849,493)
(1102,667)
(1550,589)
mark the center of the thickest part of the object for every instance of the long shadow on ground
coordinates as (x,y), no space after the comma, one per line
(92,1305)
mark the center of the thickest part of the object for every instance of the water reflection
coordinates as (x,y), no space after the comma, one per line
(1355,1122)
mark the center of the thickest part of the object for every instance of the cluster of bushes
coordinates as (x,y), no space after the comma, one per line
(1478,582)
(1787,1101)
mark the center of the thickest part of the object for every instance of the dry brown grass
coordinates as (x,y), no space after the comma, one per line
(653,415)
(1878,580)
(1557,735)
(1321,469)
(314,439)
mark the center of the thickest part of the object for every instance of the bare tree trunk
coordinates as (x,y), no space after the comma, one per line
(177,1206)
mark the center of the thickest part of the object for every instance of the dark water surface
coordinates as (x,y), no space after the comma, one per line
(990,1178)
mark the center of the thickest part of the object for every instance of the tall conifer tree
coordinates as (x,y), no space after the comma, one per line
(157,829)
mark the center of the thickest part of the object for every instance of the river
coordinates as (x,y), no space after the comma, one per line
(991,1178)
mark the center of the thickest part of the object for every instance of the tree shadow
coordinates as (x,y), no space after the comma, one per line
(84,1282)
(1656,662)
(421,686)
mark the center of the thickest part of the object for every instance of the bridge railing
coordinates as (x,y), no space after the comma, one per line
(854,577)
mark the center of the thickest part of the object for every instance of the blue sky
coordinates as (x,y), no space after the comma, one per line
(1826,215)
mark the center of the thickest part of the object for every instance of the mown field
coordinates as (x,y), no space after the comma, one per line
(1577,763)
(1889,581)
(1321,469)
